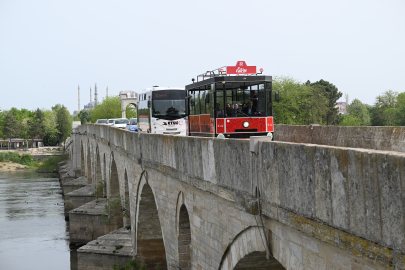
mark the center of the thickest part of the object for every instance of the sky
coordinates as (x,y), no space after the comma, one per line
(48,48)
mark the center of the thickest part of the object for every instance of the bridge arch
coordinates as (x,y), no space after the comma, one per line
(89,172)
(82,159)
(150,246)
(125,203)
(113,183)
(248,251)
(183,233)
(114,198)
(98,175)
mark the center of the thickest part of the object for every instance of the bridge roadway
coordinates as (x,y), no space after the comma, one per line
(207,203)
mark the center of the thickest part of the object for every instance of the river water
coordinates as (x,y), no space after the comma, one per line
(33,230)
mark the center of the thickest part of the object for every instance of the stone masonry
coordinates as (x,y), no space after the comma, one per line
(207,203)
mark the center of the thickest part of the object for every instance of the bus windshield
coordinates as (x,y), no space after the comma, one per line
(169,104)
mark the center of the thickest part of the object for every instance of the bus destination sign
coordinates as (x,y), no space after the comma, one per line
(241,68)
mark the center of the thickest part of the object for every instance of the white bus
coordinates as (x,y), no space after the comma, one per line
(162,110)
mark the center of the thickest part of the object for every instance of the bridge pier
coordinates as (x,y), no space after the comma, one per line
(78,198)
(107,250)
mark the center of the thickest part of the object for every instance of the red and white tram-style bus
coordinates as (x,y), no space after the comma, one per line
(232,103)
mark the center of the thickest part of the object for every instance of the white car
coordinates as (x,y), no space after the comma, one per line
(110,122)
(120,123)
(102,121)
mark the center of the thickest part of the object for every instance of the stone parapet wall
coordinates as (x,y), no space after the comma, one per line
(377,138)
(325,182)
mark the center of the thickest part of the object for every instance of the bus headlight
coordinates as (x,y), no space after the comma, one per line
(246,124)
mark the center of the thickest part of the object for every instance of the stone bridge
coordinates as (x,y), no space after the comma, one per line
(207,203)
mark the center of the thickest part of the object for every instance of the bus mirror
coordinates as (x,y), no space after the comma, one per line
(207,98)
(149,105)
(276,96)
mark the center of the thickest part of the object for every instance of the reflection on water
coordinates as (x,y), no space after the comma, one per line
(33,230)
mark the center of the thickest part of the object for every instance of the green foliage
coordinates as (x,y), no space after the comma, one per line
(299,103)
(10,126)
(50,164)
(350,120)
(110,107)
(25,159)
(389,116)
(36,126)
(131,265)
(56,107)
(50,139)
(400,116)
(85,116)
(332,94)
(63,123)
(357,110)
(385,112)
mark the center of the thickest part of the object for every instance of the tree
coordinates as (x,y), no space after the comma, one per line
(56,107)
(299,103)
(400,99)
(400,116)
(36,127)
(350,120)
(382,103)
(110,107)
(51,132)
(64,123)
(358,110)
(332,93)
(85,116)
(10,126)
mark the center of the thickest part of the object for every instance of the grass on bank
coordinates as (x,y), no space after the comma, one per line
(49,164)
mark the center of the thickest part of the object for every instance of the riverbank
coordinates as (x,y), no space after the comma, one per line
(13,167)
(14,161)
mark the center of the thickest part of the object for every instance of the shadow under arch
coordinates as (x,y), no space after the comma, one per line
(126,209)
(150,246)
(89,175)
(114,199)
(250,252)
(184,239)
(98,176)
(82,165)
(183,233)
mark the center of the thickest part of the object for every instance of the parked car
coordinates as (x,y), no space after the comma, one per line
(102,121)
(110,122)
(132,125)
(120,122)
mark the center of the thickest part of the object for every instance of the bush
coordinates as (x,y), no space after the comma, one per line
(50,140)
(51,163)
(25,159)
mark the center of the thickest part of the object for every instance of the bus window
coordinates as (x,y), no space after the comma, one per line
(219,107)
(261,105)
(202,102)
(210,106)
(192,103)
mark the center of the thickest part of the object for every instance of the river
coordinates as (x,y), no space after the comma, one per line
(33,230)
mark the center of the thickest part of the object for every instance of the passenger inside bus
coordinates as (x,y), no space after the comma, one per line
(219,111)
(249,109)
(237,111)
(229,110)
